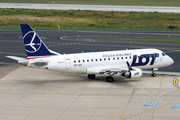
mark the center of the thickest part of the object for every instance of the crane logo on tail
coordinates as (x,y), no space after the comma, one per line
(32,42)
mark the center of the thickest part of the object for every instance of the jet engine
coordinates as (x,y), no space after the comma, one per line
(135,73)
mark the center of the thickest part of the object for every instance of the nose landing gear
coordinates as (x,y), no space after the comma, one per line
(154,74)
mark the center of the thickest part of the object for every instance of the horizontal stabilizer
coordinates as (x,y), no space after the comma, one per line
(16,58)
(20,60)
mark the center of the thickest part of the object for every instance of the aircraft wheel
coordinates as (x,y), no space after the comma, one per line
(153,74)
(93,76)
(109,79)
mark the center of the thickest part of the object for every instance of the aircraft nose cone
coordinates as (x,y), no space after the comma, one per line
(171,61)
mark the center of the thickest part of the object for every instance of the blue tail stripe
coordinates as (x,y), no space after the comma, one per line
(33,44)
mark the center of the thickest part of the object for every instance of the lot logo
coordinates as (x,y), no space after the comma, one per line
(144,59)
(135,74)
(176,82)
(32,42)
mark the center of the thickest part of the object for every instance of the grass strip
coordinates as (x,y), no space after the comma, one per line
(1,59)
(155,40)
(89,20)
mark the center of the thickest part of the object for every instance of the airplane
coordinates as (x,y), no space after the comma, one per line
(125,63)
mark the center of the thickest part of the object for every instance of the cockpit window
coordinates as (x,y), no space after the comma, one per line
(163,54)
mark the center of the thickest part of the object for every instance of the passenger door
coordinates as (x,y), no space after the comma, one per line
(67,63)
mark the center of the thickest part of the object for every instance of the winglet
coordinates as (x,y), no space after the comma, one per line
(35,47)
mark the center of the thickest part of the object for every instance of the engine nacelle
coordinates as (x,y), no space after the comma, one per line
(136,73)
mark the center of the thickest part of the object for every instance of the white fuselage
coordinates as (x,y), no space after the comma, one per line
(93,63)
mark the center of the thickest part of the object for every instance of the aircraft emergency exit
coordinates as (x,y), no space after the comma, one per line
(126,63)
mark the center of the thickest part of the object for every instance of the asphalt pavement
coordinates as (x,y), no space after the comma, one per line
(75,41)
(35,94)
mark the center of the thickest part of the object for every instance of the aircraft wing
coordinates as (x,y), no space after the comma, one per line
(112,71)
(118,69)
(162,73)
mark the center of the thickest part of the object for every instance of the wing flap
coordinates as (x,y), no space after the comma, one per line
(112,69)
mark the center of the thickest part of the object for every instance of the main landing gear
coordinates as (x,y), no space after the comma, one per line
(92,76)
(108,79)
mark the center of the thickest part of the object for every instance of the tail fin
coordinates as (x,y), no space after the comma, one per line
(35,48)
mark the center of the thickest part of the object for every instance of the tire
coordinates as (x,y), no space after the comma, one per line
(109,79)
(153,74)
(92,76)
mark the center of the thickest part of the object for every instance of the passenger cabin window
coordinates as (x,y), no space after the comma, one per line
(118,58)
(104,59)
(74,61)
(79,61)
(92,60)
(121,57)
(83,60)
(100,59)
(96,60)
(108,58)
(113,58)
(87,60)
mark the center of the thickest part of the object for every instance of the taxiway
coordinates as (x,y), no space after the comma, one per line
(28,93)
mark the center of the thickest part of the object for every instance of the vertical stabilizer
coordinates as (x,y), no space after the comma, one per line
(34,46)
